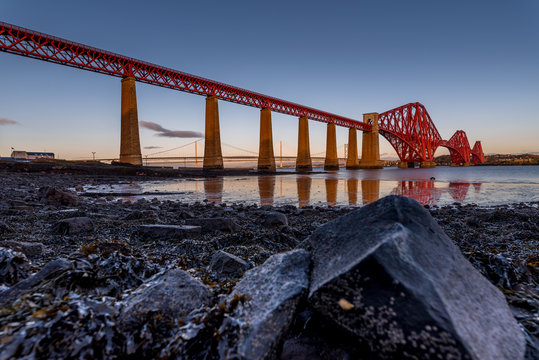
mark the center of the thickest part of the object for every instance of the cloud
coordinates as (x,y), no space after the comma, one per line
(152,147)
(161,131)
(4,121)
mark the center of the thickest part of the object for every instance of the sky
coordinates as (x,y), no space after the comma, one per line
(473,64)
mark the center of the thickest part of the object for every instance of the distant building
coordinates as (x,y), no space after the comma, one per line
(27,155)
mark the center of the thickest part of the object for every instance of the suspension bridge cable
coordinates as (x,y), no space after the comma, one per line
(238,148)
(176,148)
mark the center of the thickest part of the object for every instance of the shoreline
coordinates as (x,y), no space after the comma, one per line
(501,242)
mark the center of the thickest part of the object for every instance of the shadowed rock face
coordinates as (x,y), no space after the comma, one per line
(389,275)
(274,289)
(171,295)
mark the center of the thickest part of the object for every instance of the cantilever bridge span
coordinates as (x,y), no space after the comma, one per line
(409,128)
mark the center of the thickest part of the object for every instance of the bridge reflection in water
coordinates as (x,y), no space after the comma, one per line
(271,190)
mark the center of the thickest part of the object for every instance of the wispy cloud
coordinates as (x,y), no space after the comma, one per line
(4,121)
(161,131)
(152,147)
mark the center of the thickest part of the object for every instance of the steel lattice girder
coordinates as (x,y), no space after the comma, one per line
(411,132)
(477,153)
(459,147)
(21,41)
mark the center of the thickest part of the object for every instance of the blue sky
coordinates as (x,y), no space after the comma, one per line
(473,64)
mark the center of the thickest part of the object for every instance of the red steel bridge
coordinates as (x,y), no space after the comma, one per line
(408,128)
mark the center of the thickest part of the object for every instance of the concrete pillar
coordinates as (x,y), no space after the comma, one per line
(266,159)
(129,139)
(213,158)
(352,162)
(427,164)
(303,160)
(332,161)
(406,164)
(370,154)
(370,191)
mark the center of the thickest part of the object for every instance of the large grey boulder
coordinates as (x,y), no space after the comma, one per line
(389,275)
(271,292)
(171,296)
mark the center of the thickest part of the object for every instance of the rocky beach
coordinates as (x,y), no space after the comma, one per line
(86,275)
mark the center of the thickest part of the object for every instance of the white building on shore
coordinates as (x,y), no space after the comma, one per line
(27,155)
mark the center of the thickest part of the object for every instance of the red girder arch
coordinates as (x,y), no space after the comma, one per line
(459,147)
(33,44)
(477,153)
(411,132)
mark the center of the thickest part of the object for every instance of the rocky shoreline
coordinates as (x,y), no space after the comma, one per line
(86,277)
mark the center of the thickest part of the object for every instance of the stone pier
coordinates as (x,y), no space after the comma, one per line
(352,162)
(129,138)
(213,158)
(406,164)
(266,158)
(303,160)
(332,161)
(370,155)
(427,164)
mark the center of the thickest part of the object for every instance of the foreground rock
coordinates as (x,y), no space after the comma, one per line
(273,291)
(169,296)
(52,196)
(30,249)
(73,225)
(167,232)
(227,265)
(389,275)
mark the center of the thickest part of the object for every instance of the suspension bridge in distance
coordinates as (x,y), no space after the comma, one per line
(408,128)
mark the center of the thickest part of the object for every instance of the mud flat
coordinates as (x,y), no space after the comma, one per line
(96,277)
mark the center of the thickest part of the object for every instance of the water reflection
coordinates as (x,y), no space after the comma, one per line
(425,192)
(370,190)
(266,189)
(213,188)
(352,187)
(303,183)
(331,191)
(328,189)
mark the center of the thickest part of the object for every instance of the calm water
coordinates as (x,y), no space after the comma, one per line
(442,185)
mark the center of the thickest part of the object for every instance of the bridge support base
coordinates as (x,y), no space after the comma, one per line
(331,162)
(406,164)
(370,153)
(427,164)
(352,161)
(303,160)
(129,138)
(213,158)
(266,158)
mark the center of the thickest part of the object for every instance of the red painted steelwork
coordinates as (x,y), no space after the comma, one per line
(459,147)
(411,131)
(21,41)
(477,153)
